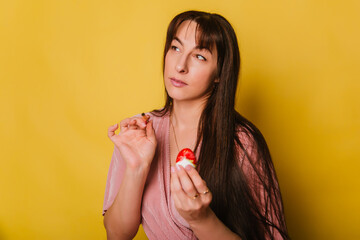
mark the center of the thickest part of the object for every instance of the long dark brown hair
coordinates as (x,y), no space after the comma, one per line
(249,206)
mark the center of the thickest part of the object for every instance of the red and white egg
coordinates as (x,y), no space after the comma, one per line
(186,157)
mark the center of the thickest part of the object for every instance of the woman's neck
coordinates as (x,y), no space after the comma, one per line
(186,115)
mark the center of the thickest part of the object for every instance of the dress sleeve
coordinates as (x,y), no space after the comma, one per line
(264,186)
(114,178)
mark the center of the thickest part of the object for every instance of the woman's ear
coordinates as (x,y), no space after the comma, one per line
(217,80)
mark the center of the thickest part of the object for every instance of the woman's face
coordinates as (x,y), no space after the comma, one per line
(189,71)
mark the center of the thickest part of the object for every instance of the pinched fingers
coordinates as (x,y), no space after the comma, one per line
(140,122)
(133,123)
(128,123)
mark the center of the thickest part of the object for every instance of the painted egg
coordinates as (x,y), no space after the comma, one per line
(186,157)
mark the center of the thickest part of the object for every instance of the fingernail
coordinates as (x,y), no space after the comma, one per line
(172,169)
(178,167)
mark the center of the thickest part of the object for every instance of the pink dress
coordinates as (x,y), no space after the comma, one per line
(159,217)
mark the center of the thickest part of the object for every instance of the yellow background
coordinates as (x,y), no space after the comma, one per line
(69,69)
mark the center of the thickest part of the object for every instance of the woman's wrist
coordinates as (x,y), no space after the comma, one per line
(138,171)
(208,220)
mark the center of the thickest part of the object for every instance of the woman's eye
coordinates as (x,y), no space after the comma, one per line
(200,57)
(175,48)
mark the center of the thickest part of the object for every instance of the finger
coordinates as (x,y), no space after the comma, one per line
(150,132)
(124,124)
(186,182)
(176,189)
(132,125)
(139,122)
(198,182)
(112,129)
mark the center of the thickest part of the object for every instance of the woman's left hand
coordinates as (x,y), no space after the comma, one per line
(190,193)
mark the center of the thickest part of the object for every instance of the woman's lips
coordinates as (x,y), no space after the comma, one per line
(177,83)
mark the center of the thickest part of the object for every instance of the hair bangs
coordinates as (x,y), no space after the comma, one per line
(207,34)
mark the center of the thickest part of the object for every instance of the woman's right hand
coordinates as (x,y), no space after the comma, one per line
(136,142)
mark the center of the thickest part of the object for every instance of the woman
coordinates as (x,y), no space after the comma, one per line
(234,193)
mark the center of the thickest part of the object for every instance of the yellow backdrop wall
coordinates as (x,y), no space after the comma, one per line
(69,69)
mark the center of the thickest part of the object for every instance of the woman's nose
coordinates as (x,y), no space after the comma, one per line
(181,65)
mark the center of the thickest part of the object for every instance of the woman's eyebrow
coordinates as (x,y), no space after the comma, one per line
(197,46)
(177,39)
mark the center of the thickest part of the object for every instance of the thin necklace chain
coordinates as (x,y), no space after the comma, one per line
(174,134)
(176,142)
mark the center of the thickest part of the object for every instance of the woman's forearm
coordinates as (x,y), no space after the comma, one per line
(122,219)
(212,228)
